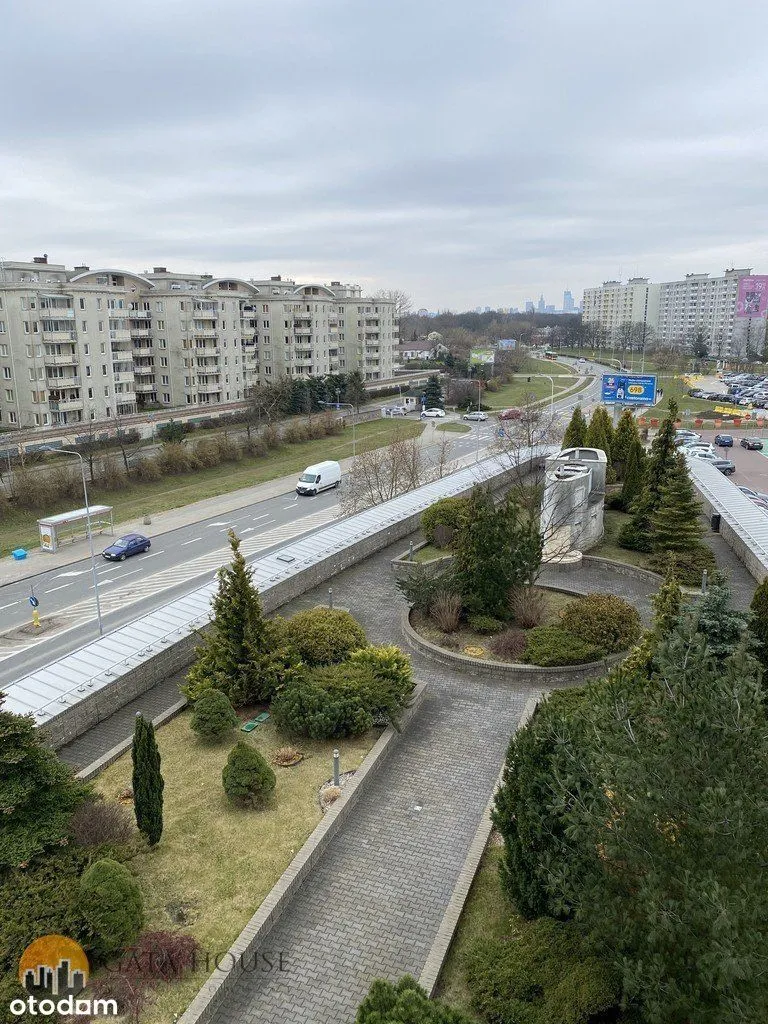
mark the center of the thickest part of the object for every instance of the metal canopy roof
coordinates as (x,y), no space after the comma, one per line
(745,519)
(63,683)
(75,515)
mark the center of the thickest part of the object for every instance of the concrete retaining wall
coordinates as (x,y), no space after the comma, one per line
(91,710)
(516,675)
(253,936)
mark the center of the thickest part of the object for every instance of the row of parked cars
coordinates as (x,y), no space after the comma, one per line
(747,389)
(693,447)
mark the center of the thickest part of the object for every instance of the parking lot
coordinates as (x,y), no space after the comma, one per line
(751,466)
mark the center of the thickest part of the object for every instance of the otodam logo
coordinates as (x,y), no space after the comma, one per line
(54,971)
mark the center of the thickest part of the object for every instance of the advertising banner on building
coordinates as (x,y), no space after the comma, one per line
(752,299)
(628,389)
(481,356)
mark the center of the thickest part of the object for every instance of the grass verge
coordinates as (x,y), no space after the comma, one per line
(454,428)
(216,862)
(18,527)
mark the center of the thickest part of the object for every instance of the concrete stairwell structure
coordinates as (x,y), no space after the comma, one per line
(572,504)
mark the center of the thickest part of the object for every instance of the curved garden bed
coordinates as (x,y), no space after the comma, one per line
(506,672)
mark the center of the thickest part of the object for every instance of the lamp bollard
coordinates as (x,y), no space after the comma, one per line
(330,598)
(336,768)
(410,550)
(704,581)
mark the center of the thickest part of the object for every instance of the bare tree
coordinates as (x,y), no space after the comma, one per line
(403,302)
(381,474)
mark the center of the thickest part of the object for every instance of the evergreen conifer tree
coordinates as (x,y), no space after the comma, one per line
(434,393)
(634,474)
(38,792)
(759,621)
(667,605)
(147,781)
(624,437)
(354,392)
(236,655)
(676,525)
(576,432)
(600,431)
(637,534)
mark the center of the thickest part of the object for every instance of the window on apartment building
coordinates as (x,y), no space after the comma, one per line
(162,343)
(2,325)
(86,350)
(8,395)
(163,360)
(268,370)
(103,370)
(106,392)
(265,324)
(98,303)
(82,303)
(87,371)
(12,417)
(3,350)
(101,325)
(165,379)
(159,306)
(167,398)
(103,348)
(90,392)
(26,326)
(32,374)
(85,326)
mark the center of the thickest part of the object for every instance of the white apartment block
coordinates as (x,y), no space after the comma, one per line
(615,303)
(675,310)
(86,344)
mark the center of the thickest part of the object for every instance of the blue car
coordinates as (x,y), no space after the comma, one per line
(130,544)
(724,440)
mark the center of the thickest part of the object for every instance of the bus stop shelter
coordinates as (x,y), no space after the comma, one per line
(71,526)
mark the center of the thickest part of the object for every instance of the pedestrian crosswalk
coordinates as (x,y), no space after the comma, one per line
(112,599)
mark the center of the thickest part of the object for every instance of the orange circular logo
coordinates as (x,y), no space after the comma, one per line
(54,964)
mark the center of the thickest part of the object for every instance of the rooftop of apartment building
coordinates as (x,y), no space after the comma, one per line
(731,272)
(40,272)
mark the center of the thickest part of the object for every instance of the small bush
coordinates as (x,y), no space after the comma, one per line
(110,475)
(101,823)
(509,645)
(207,454)
(284,757)
(213,717)
(324,636)
(228,450)
(616,502)
(256,448)
(173,432)
(159,956)
(603,620)
(390,667)
(446,612)
(147,470)
(549,646)
(307,708)
(295,433)
(447,512)
(111,904)
(247,778)
(270,435)
(634,539)
(173,458)
(484,624)
(528,606)
(405,1002)
(421,586)
(689,565)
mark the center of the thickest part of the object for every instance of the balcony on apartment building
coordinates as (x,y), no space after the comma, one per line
(250,340)
(65,404)
(209,395)
(59,336)
(143,369)
(205,312)
(302,329)
(61,383)
(144,386)
(61,358)
(139,314)
(142,349)
(123,376)
(143,331)
(204,332)
(127,408)
(206,377)
(207,351)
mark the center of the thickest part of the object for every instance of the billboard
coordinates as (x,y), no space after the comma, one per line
(481,356)
(752,298)
(506,343)
(628,389)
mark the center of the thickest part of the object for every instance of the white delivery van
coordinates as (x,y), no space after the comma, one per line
(319,478)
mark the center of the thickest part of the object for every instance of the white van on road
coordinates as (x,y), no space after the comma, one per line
(320,477)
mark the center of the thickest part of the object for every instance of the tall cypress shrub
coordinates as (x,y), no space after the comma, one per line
(147,781)
(576,432)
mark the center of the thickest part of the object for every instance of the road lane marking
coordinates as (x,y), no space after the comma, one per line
(11,605)
(54,589)
(248,529)
(64,575)
(193,541)
(153,555)
(224,522)
(265,516)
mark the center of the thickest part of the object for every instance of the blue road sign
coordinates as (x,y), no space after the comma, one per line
(34,601)
(629,389)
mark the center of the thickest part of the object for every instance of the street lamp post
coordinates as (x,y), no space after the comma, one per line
(69,451)
(346,405)
(477,426)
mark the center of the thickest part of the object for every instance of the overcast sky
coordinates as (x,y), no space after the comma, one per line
(470,154)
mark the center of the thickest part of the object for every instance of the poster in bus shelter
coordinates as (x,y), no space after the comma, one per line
(752,298)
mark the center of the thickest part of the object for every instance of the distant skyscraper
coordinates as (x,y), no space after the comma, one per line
(541,306)
(529,307)
(568,303)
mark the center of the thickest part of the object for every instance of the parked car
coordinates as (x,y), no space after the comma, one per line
(124,547)
(682,433)
(320,477)
(511,414)
(432,414)
(696,447)
(479,416)
(754,444)
(724,440)
(396,410)
(753,494)
(726,467)
(759,503)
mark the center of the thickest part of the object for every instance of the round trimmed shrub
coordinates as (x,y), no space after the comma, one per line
(549,646)
(391,669)
(447,513)
(484,624)
(247,777)
(324,636)
(111,905)
(604,620)
(213,717)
